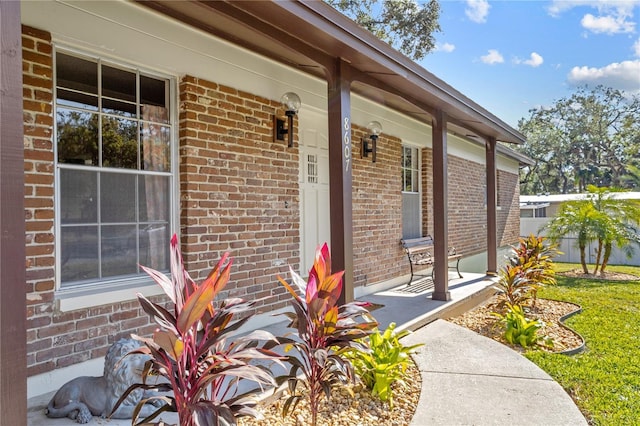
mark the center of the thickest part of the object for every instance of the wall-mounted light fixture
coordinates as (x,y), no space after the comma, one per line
(375,129)
(291,103)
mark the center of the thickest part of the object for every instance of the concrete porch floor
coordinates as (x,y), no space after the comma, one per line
(410,307)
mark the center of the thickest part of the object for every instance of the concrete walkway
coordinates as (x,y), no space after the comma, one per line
(467,379)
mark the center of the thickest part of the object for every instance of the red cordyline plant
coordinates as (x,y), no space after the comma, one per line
(535,256)
(324,332)
(193,351)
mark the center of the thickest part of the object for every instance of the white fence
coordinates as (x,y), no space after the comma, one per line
(570,248)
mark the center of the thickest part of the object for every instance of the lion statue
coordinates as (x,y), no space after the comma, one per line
(84,397)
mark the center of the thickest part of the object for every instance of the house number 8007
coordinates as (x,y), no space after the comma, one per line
(347,144)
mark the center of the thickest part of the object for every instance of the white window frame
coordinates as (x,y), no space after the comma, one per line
(105,291)
(417,151)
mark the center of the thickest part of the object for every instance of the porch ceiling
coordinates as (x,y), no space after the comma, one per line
(310,36)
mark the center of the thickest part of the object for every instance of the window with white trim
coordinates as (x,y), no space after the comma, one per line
(411,200)
(114,171)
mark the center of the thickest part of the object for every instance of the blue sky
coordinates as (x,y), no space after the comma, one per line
(512,56)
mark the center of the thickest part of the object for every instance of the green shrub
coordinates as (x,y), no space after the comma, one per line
(519,330)
(386,362)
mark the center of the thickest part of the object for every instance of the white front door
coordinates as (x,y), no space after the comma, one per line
(314,186)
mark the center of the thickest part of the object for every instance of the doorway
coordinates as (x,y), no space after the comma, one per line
(314,186)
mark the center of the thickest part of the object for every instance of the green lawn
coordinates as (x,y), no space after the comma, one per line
(605,379)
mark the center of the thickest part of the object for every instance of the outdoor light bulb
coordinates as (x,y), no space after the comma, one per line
(375,128)
(291,101)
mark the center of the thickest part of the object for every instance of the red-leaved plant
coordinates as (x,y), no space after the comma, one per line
(324,332)
(192,350)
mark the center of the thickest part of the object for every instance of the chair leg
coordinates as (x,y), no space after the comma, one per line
(411,266)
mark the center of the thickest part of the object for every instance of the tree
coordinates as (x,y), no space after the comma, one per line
(599,217)
(574,218)
(617,223)
(403,24)
(588,138)
(632,177)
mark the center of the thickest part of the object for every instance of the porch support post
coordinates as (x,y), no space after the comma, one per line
(13,335)
(492,233)
(340,166)
(440,206)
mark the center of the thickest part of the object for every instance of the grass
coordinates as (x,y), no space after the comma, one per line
(604,381)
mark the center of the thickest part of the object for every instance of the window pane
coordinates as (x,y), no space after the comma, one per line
(119,247)
(154,249)
(119,143)
(407,181)
(155,93)
(414,158)
(125,109)
(414,181)
(406,157)
(117,198)
(77,137)
(156,147)
(77,100)
(154,198)
(76,73)
(118,84)
(78,253)
(78,196)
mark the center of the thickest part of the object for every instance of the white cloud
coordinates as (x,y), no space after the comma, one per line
(623,76)
(613,17)
(477,10)
(445,47)
(636,47)
(607,24)
(535,60)
(557,7)
(493,57)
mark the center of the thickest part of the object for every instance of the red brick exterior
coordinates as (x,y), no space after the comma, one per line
(377,211)
(238,190)
(509,214)
(467,185)
(238,193)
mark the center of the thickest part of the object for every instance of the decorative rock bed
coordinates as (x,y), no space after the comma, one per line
(551,312)
(361,409)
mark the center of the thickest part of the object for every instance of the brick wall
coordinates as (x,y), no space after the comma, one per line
(467,212)
(239,190)
(508,216)
(377,211)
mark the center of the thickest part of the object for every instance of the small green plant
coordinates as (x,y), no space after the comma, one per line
(192,349)
(325,331)
(384,364)
(519,330)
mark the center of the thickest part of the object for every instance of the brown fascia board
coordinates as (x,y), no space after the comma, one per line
(523,160)
(369,54)
(291,30)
